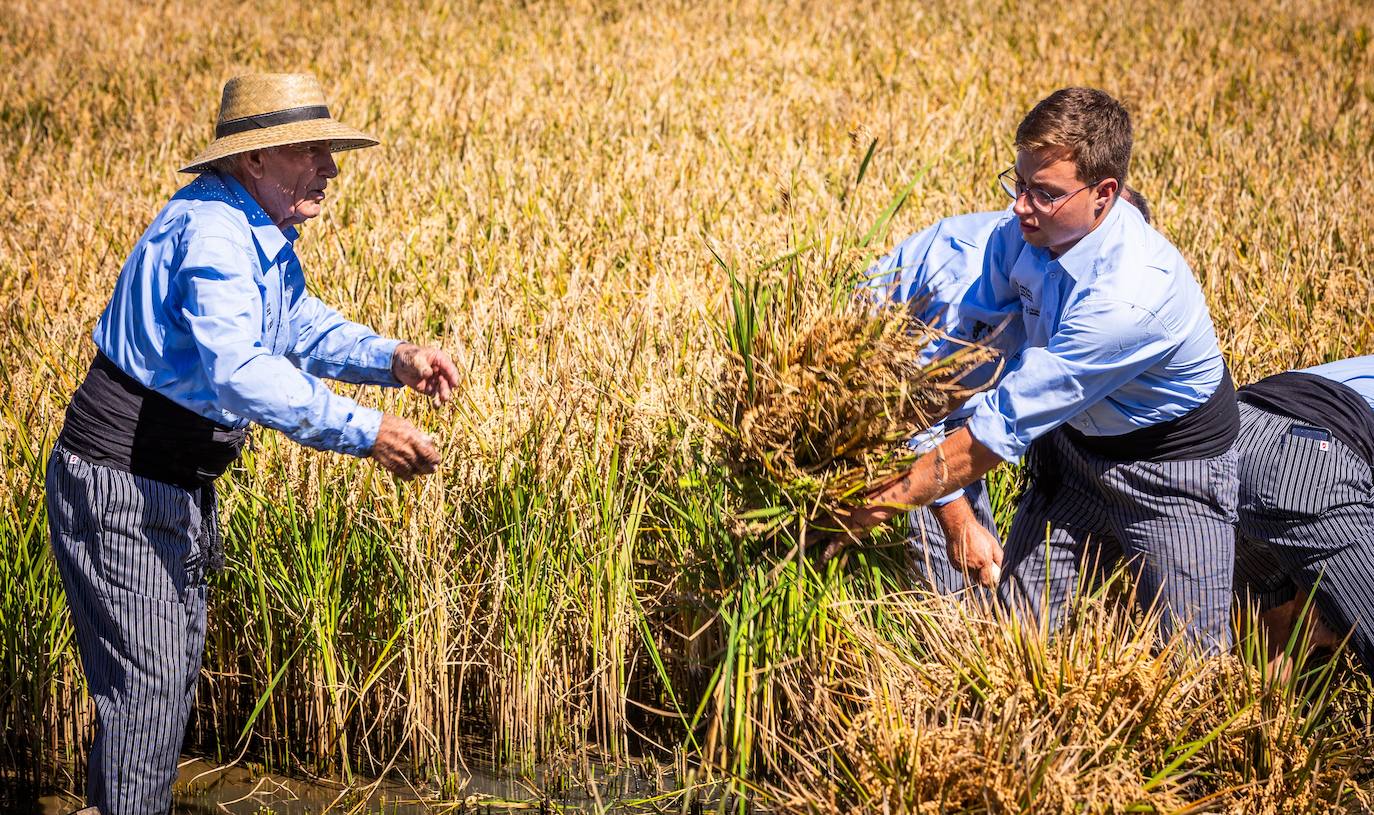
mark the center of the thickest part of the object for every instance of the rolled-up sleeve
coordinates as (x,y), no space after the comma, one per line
(1101,344)
(222,305)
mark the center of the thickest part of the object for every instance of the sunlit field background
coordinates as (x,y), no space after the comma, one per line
(554,186)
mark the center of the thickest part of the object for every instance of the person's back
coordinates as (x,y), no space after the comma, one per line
(1306,511)
(933,269)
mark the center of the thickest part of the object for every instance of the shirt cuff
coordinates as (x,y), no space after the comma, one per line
(948,499)
(376,356)
(994,431)
(928,439)
(360,432)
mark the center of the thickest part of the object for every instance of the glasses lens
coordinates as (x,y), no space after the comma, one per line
(1008,183)
(1040,199)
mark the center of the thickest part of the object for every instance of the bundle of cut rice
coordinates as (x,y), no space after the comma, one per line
(821,393)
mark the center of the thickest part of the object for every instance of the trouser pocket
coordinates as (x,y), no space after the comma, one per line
(1294,476)
(149,534)
(72,500)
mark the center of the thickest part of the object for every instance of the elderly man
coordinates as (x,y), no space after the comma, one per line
(209,329)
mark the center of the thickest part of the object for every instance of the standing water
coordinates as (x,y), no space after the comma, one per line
(641,786)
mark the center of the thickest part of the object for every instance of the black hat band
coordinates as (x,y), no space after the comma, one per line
(265,120)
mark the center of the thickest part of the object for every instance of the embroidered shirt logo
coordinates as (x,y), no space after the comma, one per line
(1028,300)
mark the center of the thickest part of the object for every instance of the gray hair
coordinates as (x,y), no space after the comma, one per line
(226,165)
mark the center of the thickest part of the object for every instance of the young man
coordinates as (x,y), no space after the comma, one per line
(1115,387)
(209,329)
(1307,502)
(932,271)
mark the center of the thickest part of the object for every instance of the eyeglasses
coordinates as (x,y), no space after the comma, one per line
(1041,200)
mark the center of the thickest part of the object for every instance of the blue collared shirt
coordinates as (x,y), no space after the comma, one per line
(1112,336)
(933,269)
(211,311)
(1356,373)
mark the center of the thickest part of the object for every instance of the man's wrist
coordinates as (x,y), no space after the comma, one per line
(360,437)
(399,354)
(953,514)
(911,490)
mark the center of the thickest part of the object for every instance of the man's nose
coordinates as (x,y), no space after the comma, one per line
(1021,206)
(328,168)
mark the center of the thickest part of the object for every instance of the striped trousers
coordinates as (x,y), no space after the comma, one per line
(131,554)
(1171,521)
(1306,522)
(928,546)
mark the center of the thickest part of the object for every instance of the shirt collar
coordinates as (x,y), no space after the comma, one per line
(1080,260)
(270,238)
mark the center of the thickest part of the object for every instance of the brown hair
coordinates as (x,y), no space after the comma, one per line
(1088,125)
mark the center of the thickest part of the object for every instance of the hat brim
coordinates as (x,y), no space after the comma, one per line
(339,136)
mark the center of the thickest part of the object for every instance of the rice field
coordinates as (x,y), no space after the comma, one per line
(564,197)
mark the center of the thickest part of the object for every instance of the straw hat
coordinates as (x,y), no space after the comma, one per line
(268,110)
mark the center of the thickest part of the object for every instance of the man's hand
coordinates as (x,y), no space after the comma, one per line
(972,548)
(957,462)
(427,370)
(404,449)
(838,530)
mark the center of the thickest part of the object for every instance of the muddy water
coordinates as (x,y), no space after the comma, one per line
(204,789)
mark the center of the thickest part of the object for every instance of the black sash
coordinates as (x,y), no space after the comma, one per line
(1206,431)
(115,421)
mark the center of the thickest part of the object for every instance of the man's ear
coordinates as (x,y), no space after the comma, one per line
(251,162)
(1106,191)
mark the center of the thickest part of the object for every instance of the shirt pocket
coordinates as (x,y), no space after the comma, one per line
(1296,477)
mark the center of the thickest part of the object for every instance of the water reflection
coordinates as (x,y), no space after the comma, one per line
(641,786)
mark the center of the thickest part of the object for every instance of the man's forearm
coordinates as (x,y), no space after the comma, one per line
(331,346)
(957,462)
